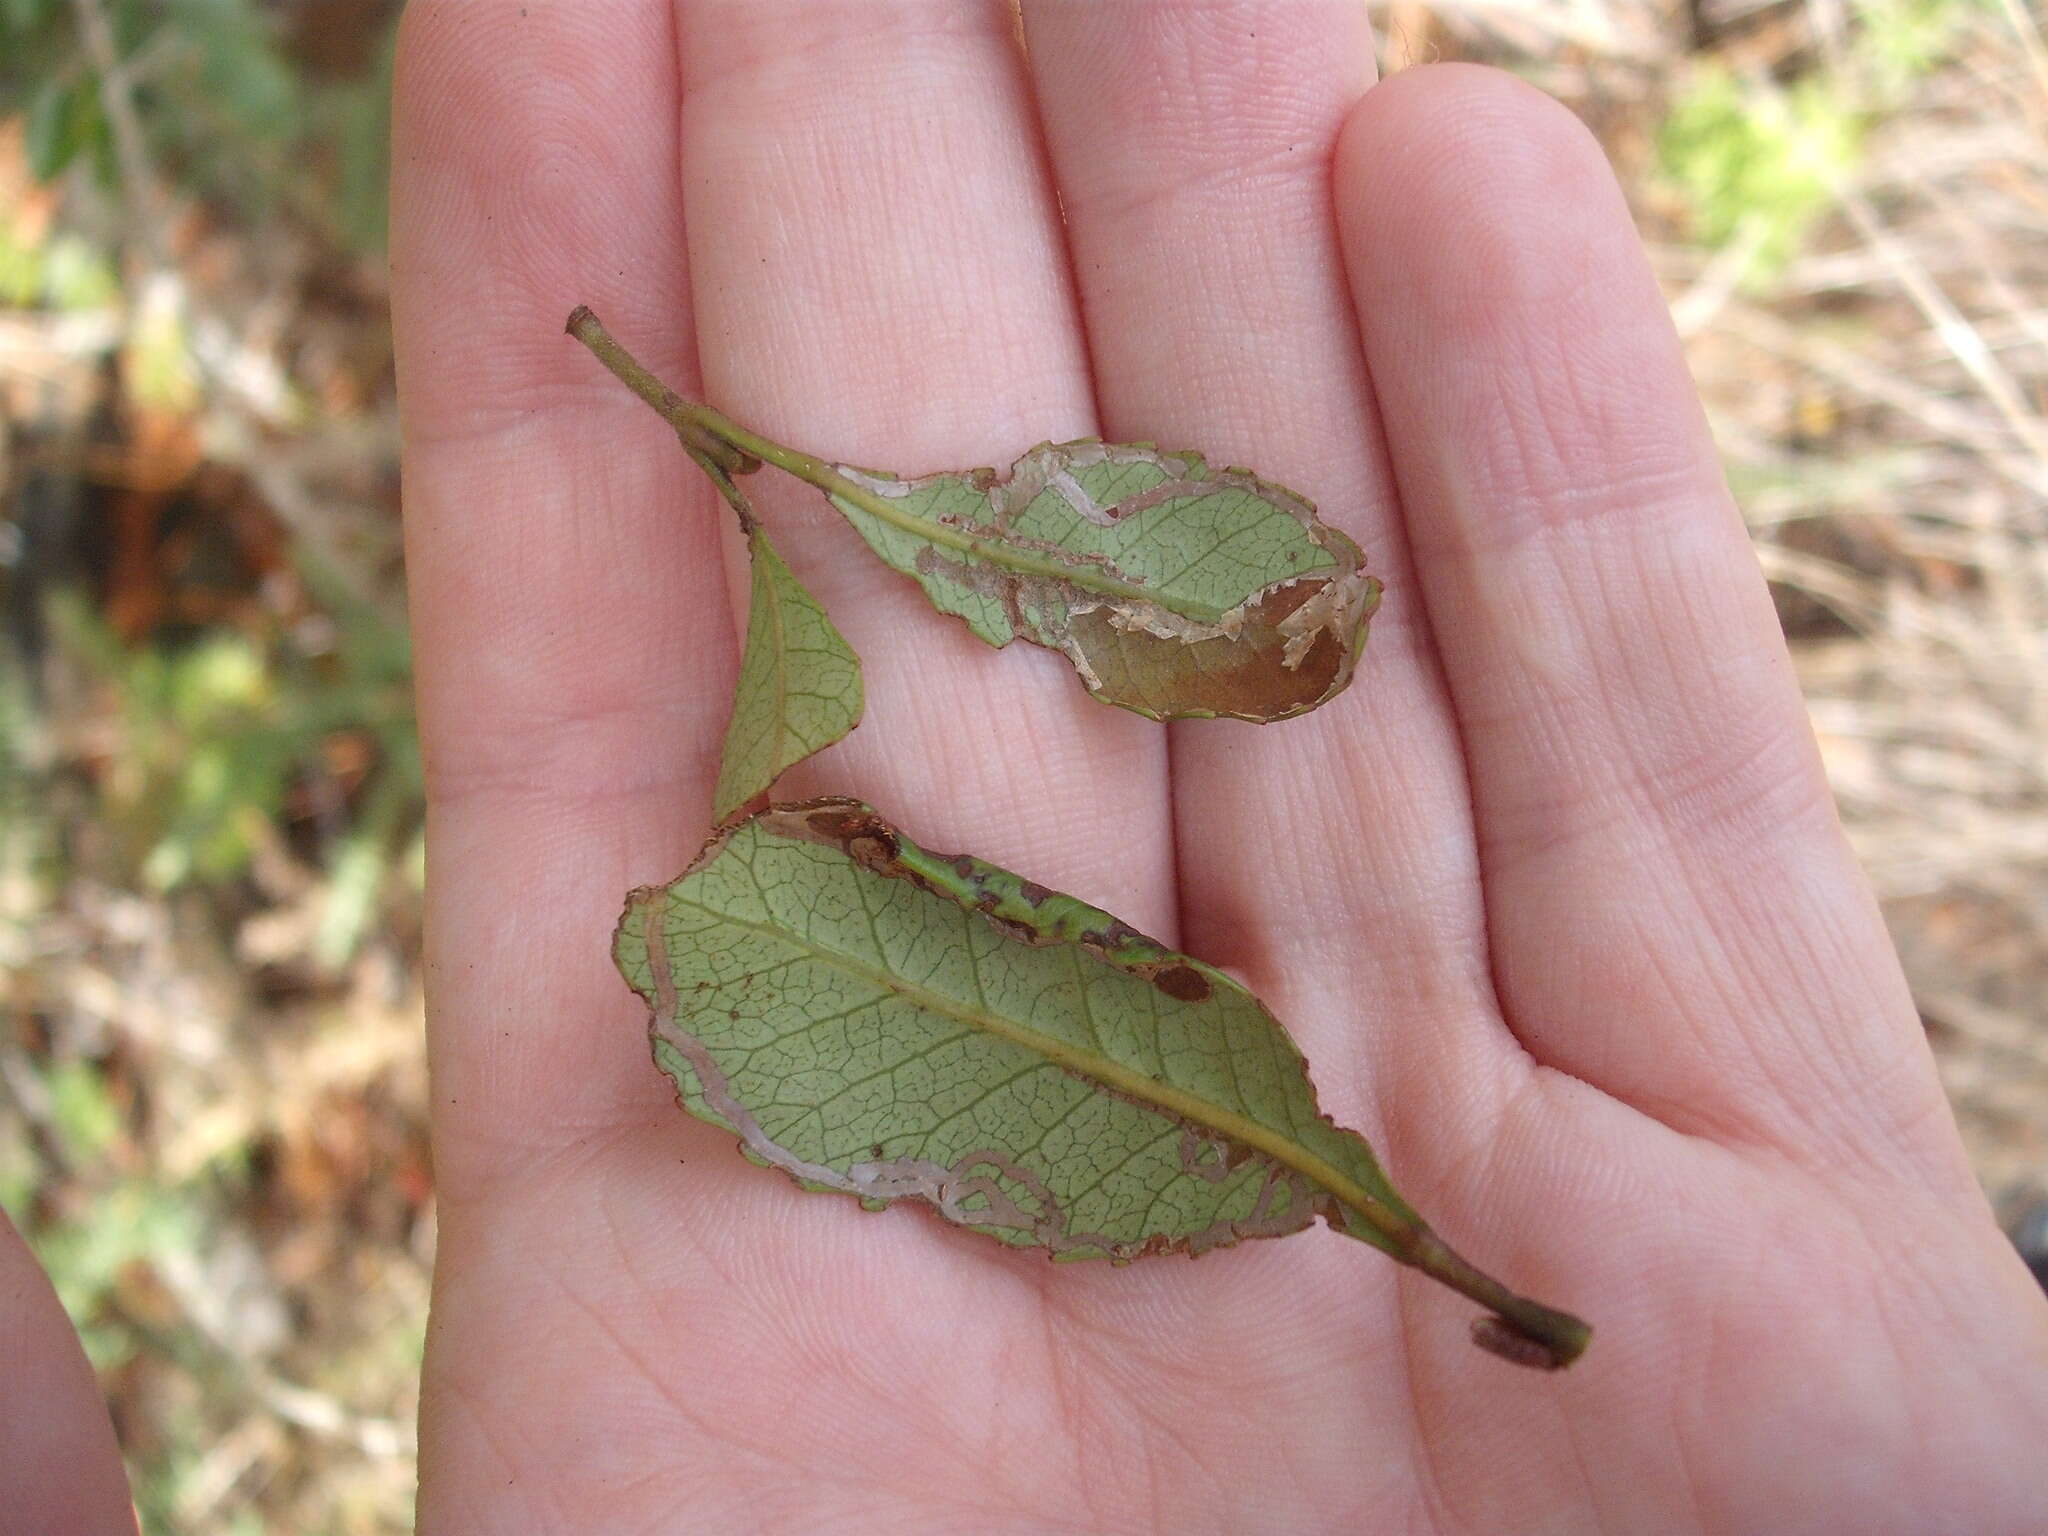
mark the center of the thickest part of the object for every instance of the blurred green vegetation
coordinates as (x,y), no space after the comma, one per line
(213,730)
(230,111)
(1757,159)
(210,787)
(1757,163)
(65,272)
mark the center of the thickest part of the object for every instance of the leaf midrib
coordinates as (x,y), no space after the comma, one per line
(1006,556)
(1088,1064)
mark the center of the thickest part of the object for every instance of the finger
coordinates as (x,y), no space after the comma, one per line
(1329,857)
(60,1471)
(879,279)
(1674,914)
(574,648)
(1326,857)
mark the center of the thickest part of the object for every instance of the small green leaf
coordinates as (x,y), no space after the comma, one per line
(63,118)
(1175,589)
(799,689)
(890,1023)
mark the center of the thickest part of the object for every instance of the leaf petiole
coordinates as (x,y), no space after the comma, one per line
(711,434)
(721,477)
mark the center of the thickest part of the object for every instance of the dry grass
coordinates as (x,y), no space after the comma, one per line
(1881,403)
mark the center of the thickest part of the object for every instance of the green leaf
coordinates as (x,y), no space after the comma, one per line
(63,118)
(1175,589)
(799,688)
(890,1023)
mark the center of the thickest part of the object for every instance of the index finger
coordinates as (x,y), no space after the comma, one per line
(575,650)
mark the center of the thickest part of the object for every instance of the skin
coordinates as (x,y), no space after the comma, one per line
(1554,899)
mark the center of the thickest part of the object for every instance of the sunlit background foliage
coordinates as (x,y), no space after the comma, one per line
(211,1095)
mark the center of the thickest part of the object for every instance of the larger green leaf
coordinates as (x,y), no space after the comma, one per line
(799,686)
(890,1023)
(1175,589)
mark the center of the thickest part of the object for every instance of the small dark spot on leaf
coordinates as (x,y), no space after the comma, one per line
(1183,983)
(1116,935)
(1023,933)
(1033,892)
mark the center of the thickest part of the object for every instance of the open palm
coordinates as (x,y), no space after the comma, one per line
(1553,898)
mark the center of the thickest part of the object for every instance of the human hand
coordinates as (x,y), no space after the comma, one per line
(1554,898)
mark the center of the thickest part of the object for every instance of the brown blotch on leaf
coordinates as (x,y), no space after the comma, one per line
(1183,983)
(868,840)
(1243,676)
(836,822)
(1118,934)
(1023,933)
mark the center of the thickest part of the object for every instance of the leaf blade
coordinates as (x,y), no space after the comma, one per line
(799,687)
(1176,590)
(890,1023)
